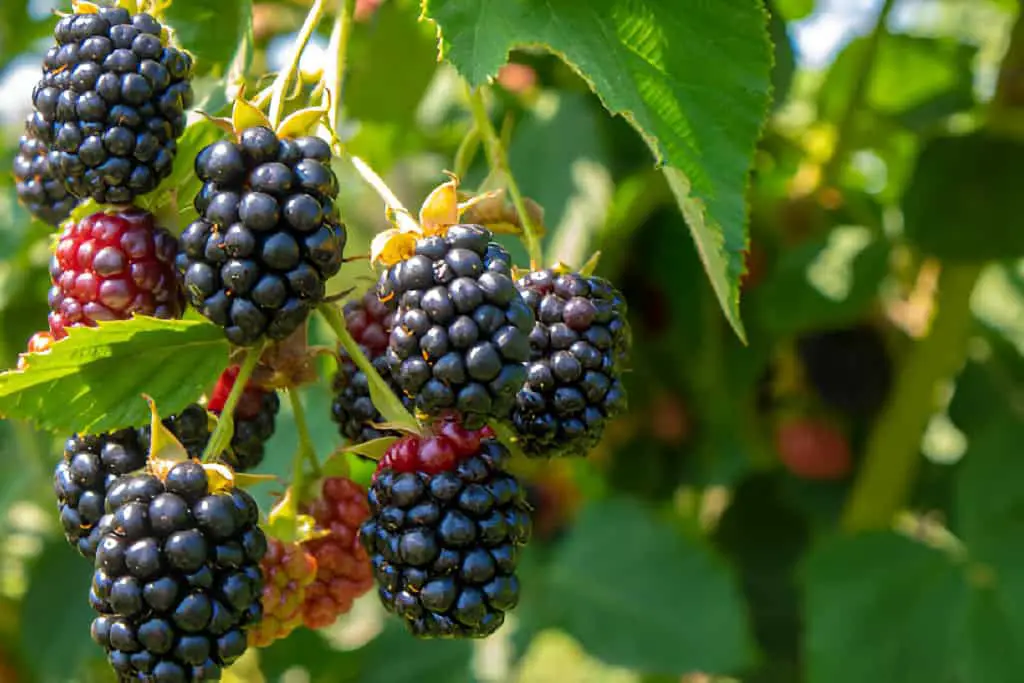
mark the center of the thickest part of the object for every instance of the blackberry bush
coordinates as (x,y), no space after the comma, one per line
(177,581)
(369,321)
(579,346)
(38,188)
(111,104)
(109,266)
(268,235)
(460,334)
(446,527)
(255,417)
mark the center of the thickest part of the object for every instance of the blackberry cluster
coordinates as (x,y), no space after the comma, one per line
(342,565)
(850,369)
(93,463)
(579,346)
(447,523)
(39,190)
(177,580)
(110,266)
(255,417)
(369,321)
(268,236)
(460,336)
(111,104)
(288,570)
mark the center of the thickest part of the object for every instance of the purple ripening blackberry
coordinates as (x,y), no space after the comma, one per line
(268,237)
(579,346)
(111,104)
(39,190)
(460,336)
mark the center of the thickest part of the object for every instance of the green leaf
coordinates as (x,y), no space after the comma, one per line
(636,593)
(964,202)
(214,32)
(55,614)
(93,380)
(791,10)
(691,76)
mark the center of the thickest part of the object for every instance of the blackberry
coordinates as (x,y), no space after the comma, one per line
(369,322)
(37,343)
(110,266)
(255,417)
(850,369)
(111,104)
(92,464)
(813,449)
(579,345)
(446,527)
(39,190)
(177,580)
(268,235)
(461,330)
(288,570)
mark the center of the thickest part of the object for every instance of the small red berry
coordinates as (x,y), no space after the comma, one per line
(288,570)
(812,449)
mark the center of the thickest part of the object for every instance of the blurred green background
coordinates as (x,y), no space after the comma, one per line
(707,533)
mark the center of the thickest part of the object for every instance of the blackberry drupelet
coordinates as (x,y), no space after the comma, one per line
(446,527)
(92,464)
(109,266)
(38,188)
(369,321)
(288,570)
(255,417)
(460,336)
(579,346)
(850,369)
(111,104)
(177,579)
(268,235)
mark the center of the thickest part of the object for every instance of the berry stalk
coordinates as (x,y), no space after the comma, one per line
(316,12)
(307,452)
(334,74)
(498,161)
(221,436)
(401,214)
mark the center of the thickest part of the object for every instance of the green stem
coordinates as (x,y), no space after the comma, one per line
(466,152)
(338,47)
(405,219)
(892,454)
(221,437)
(844,131)
(498,160)
(307,451)
(285,77)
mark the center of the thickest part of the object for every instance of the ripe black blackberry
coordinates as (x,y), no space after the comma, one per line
(177,580)
(39,190)
(111,104)
(268,236)
(369,321)
(446,525)
(850,369)
(461,330)
(578,348)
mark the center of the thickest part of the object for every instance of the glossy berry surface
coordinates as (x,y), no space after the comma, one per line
(37,343)
(446,528)
(177,581)
(255,418)
(342,564)
(111,104)
(813,449)
(460,333)
(369,321)
(579,347)
(268,237)
(110,266)
(288,570)
(38,188)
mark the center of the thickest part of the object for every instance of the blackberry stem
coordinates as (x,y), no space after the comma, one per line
(498,160)
(307,451)
(404,219)
(221,437)
(466,152)
(334,74)
(285,77)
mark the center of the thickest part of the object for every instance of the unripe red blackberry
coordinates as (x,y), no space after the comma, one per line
(579,345)
(288,570)
(460,334)
(110,266)
(268,237)
(446,527)
(813,449)
(255,417)
(369,321)
(177,582)
(39,190)
(111,104)
(37,343)
(342,564)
